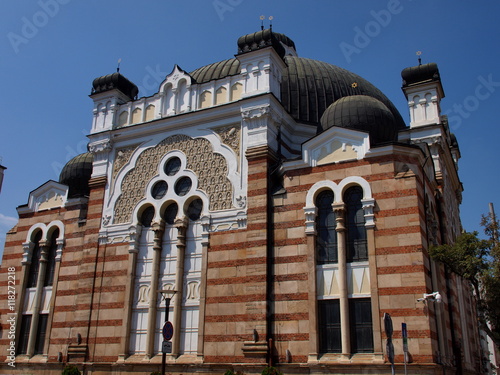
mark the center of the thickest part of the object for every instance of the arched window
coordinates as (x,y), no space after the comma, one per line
(35,261)
(51,259)
(147,216)
(357,249)
(326,239)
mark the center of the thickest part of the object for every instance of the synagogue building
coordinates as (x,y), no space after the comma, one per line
(280,206)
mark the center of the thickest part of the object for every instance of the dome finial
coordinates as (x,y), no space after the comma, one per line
(419,53)
(262,18)
(271,22)
(118,67)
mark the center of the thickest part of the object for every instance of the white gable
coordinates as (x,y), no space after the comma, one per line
(50,195)
(335,145)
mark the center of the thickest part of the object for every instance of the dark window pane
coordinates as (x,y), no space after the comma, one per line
(172,166)
(51,259)
(326,238)
(194,209)
(329,326)
(159,190)
(170,213)
(355,224)
(35,262)
(40,333)
(361,325)
(147,216)
(24,333)
(182,186)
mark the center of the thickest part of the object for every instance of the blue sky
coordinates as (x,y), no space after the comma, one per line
(51,50)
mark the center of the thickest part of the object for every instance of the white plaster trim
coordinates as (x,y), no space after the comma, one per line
(45,192)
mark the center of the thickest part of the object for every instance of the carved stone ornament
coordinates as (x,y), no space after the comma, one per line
(106,219)
(100,146)
(230,135)
(211,169)
(241,201)
(251,113)
(122,157)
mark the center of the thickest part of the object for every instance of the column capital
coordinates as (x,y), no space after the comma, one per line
(339,209)
(134,233)
(368,206)
(28,250)
(310,213)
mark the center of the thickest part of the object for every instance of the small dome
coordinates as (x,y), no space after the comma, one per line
(265,38)
(76,174)
(420,74)
(364,113)
(114,81)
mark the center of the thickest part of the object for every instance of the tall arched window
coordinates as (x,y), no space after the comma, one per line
(35,261)
(326,239)
(357,250)
(51,259)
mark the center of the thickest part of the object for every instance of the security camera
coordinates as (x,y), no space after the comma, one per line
(436,297)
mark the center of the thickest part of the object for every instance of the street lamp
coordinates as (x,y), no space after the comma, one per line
(168,294)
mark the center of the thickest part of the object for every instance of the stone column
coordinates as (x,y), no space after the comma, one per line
(339,209)
(37,299)
(205,222)
(181,225)
(133,250)
(60,245)
(368,205)
(158,229)
(311,233)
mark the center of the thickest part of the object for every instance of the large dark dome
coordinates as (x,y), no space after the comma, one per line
(365,113)
(308,86)
(76,174)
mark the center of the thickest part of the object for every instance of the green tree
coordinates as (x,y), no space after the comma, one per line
(478,261)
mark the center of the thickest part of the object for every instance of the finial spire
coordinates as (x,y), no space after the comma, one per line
(262,18)
(271,22)
(419,53)
(118,67)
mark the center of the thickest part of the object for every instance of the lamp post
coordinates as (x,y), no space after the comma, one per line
(168,294)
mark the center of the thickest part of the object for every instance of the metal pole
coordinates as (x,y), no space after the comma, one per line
(164,355)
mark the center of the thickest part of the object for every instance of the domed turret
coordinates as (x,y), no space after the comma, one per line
(76,174)
(114,81)
(361,112)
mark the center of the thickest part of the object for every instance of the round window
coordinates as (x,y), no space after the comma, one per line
(194,209)
(159,189)
(183,185)
(172,166)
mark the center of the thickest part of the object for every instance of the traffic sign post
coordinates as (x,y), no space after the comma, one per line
(167,347)
(167,331)
(389,345)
